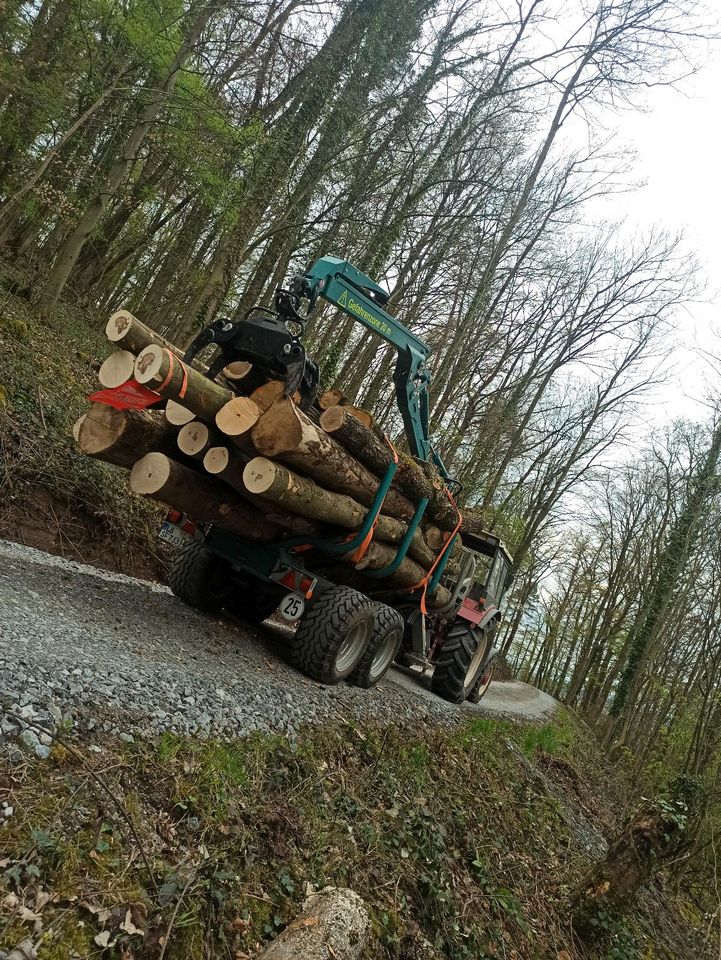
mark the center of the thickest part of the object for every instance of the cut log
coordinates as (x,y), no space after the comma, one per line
(267,393)
(158,369)
(177,414)
(285,433)
(126,331)
(236,419)
(277,483)
(333,923)
(122,436)
(375,453)
(227,464)
(238,370)
(116,369)
(76,427)
(408,574)
(195,438)
(202,497)
(334,398)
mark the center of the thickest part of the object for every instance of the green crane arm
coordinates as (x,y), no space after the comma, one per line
(341,284)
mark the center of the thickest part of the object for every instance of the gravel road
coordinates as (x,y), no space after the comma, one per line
(115,654)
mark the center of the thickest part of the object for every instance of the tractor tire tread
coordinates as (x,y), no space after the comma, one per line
(453,661)
(386,619)
(190,574)
(314,645)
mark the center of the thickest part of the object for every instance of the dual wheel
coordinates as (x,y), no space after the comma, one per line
(342,634)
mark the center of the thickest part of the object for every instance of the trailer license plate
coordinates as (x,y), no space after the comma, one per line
(172,534)
(291,607)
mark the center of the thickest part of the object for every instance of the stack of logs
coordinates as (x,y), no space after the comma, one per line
(239,454)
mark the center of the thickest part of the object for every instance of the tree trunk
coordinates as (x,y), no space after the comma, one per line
(202,497)
(122,436)
(227,464)
(651,837)
(157,368)
(333,923)
(278,484)
(285,433)
(375,453)
(128,333)
(73,245)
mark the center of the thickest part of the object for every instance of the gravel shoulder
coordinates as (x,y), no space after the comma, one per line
(122,655)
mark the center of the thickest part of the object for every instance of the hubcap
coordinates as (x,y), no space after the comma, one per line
(384,654)
(352,647)
(475,665)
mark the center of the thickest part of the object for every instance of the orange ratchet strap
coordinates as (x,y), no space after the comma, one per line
(171,366)
(358,554)
(424,581)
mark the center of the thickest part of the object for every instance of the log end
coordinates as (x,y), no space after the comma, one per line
(117,326)
(77,427)
(193,437)
(149,363)
(237,417)
(258,475)
(116,369)
(332,419)
(177,414)
(216,459)
(100,428)
(238,370)
(150,474)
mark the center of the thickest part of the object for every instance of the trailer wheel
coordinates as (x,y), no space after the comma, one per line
(382,647)
(460,661)
(333,634)
(199,577)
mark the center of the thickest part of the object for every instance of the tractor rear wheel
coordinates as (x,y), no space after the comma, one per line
(460,661)
(200,578)
(382,647)
(333,634)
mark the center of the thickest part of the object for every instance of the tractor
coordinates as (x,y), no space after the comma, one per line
(342,633)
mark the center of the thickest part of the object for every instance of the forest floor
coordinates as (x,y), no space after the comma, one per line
(128,838)
(51,496)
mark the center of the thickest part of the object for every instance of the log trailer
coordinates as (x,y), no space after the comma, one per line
(344,632)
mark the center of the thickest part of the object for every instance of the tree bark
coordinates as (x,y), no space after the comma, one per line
(128,333)
(157,368)
(278,484)
(375,453)
(285,433)
(121,437)
(202,497)
(333,923)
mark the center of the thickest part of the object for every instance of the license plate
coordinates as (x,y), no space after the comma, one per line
(291,607)
(172,534)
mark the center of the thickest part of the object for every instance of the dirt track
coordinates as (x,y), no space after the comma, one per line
(125,655)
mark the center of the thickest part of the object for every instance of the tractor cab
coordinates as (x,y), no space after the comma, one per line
(492,575)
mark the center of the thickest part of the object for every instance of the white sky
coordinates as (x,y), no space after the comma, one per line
(678,146)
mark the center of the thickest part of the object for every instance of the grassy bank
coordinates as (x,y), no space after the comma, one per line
(471,841)
(51,496)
